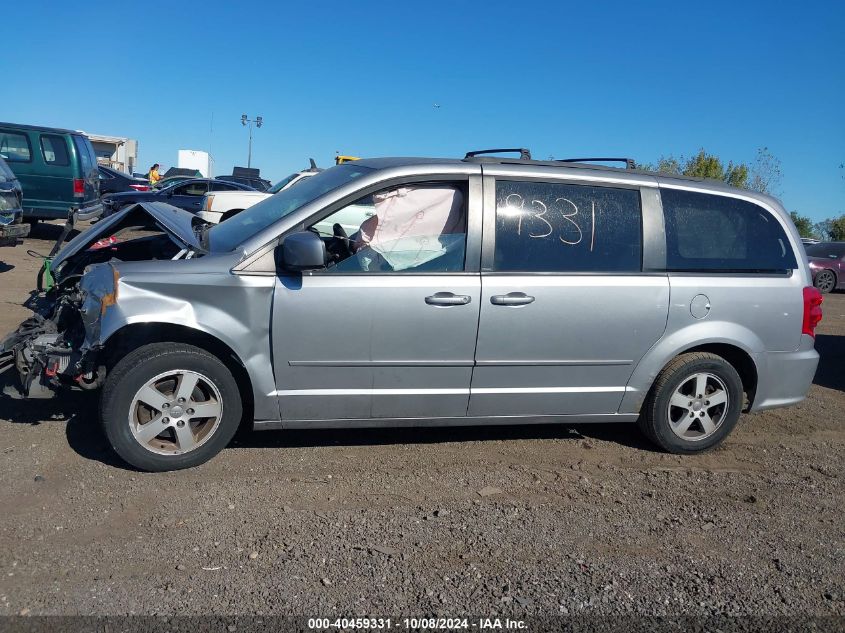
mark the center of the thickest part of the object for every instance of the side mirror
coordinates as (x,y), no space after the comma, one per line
(301,251)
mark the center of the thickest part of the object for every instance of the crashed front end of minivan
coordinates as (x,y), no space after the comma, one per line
(61,345)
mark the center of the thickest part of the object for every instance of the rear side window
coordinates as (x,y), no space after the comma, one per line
(552,227)
(54,150)
(86,154)
(831,251)
(705,232)
(222,186)
(192,189)
(14,147)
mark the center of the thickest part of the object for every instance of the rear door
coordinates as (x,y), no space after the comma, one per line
(566,309)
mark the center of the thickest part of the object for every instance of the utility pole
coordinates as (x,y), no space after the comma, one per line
(259,121)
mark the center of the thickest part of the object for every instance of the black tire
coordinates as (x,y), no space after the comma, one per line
(655,420)
(229,214)
(825,281)
(134,371)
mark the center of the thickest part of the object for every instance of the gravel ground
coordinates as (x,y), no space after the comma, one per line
(511,521)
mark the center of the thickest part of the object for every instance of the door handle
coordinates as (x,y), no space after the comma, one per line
(447,299)
(511,299)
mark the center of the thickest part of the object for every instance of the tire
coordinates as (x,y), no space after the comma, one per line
(825,281)
(663,422)
(153,374)
(229,214)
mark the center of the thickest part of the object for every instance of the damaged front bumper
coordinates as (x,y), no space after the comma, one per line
(44,360)
(60,346)
(11,233)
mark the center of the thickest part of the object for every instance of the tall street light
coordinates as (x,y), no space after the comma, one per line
(259,121)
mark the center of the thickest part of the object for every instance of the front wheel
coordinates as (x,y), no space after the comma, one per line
(825,281)
(168,406)
(694,403)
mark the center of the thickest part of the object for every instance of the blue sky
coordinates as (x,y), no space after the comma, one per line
(637,79)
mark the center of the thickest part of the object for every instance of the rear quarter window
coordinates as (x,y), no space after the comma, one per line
(706,232)
(87,159)
(54,150)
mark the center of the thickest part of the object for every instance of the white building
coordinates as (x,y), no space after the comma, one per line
(195,159)
(116,152)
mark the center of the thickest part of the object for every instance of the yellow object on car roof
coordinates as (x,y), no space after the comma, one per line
(339,160)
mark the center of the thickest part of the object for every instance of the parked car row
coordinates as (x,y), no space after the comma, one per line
(466,292)
(217,207)
(185,194)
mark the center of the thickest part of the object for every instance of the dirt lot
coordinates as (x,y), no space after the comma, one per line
(536,520)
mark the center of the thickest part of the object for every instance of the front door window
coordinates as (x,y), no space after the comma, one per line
(414,228)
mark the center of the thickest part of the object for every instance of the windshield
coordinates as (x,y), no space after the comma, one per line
(281,184)
(227,235)
(825,250)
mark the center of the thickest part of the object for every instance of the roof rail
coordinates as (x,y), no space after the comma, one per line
(629,162)
(524,153)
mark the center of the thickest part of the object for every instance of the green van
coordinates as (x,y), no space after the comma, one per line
(56,168)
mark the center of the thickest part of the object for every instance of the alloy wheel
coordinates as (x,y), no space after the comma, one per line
(825,281)
(175,412)
(698,406)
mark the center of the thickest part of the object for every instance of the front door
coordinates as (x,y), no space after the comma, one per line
(388,329)
(566,311)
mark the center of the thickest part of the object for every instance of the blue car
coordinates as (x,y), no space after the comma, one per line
(12,227)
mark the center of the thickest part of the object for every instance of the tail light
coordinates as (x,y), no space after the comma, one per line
(78,188)
(139,187)
(812,310)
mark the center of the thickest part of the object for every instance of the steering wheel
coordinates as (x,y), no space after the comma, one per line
(342,245)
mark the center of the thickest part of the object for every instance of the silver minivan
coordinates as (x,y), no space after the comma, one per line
(478,291)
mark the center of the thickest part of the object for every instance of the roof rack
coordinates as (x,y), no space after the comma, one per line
(629,162)
(524,153)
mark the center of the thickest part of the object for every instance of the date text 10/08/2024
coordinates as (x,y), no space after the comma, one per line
(417,624)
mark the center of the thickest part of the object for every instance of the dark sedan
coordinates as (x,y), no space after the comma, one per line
(827,263)
(113,181)
(186,195)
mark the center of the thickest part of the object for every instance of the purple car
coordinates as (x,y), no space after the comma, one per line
(827,263)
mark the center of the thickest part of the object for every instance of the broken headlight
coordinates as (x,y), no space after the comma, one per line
(99,286)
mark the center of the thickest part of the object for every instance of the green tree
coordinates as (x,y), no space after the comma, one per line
(836,232)
(832,229)
(803,224)
(704,165)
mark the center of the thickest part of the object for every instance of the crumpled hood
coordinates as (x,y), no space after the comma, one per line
(177,222)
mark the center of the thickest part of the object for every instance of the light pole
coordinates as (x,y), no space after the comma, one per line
(259,121)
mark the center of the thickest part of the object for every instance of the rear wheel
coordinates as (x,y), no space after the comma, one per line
(694,403)
(825,281)
(168,406)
